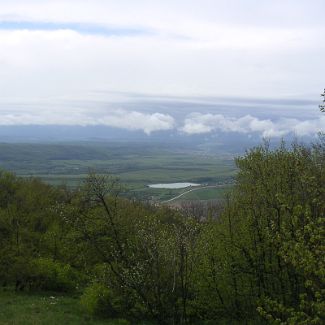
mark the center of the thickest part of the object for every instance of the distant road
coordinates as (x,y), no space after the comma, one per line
(192,190)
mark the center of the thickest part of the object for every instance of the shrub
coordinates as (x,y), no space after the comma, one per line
(97,300)
(52,275)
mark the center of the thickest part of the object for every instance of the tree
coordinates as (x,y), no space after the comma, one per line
(144,253)
(322,106)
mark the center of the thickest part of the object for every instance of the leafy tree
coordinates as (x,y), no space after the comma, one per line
(143,254)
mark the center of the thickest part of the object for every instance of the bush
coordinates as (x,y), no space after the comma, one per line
(97,300)
(51,275)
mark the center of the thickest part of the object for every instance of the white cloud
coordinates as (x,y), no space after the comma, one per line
(130,119)
(63,62)
(198,123)
(139,121)
(206,47)
(188,48)
(119,119)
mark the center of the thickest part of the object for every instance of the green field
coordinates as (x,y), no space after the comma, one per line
(206,193)
(136,164)
(44,308)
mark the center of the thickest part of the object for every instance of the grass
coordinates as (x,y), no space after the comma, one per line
(53,309)
(43,308)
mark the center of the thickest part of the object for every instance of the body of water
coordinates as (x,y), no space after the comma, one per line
(173,185)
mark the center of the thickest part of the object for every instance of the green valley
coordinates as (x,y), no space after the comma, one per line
(136,165)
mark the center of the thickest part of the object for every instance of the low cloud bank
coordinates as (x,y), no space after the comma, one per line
(194,123)
(119,119)
(198,123)
(139,121)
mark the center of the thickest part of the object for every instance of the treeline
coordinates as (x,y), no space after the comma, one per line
(261,261)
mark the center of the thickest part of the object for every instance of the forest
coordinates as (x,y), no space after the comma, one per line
(257,259)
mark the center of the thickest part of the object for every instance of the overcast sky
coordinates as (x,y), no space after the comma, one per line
(87,62)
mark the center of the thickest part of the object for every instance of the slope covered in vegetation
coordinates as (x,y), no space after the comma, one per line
(260,261)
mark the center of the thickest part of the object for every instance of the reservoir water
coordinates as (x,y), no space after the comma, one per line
(173,185)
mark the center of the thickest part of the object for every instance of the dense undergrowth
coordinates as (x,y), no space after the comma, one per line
(260,261)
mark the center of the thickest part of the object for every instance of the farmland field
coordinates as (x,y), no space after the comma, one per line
(136,165)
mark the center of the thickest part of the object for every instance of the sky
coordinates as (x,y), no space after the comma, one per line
(195,66)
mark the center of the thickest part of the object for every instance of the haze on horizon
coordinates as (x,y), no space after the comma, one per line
(192,66)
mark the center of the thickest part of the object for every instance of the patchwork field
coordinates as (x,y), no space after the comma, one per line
(136,164)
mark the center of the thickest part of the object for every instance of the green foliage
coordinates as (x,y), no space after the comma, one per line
(261,261)
(97,300)
(53,276)
(265,253)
